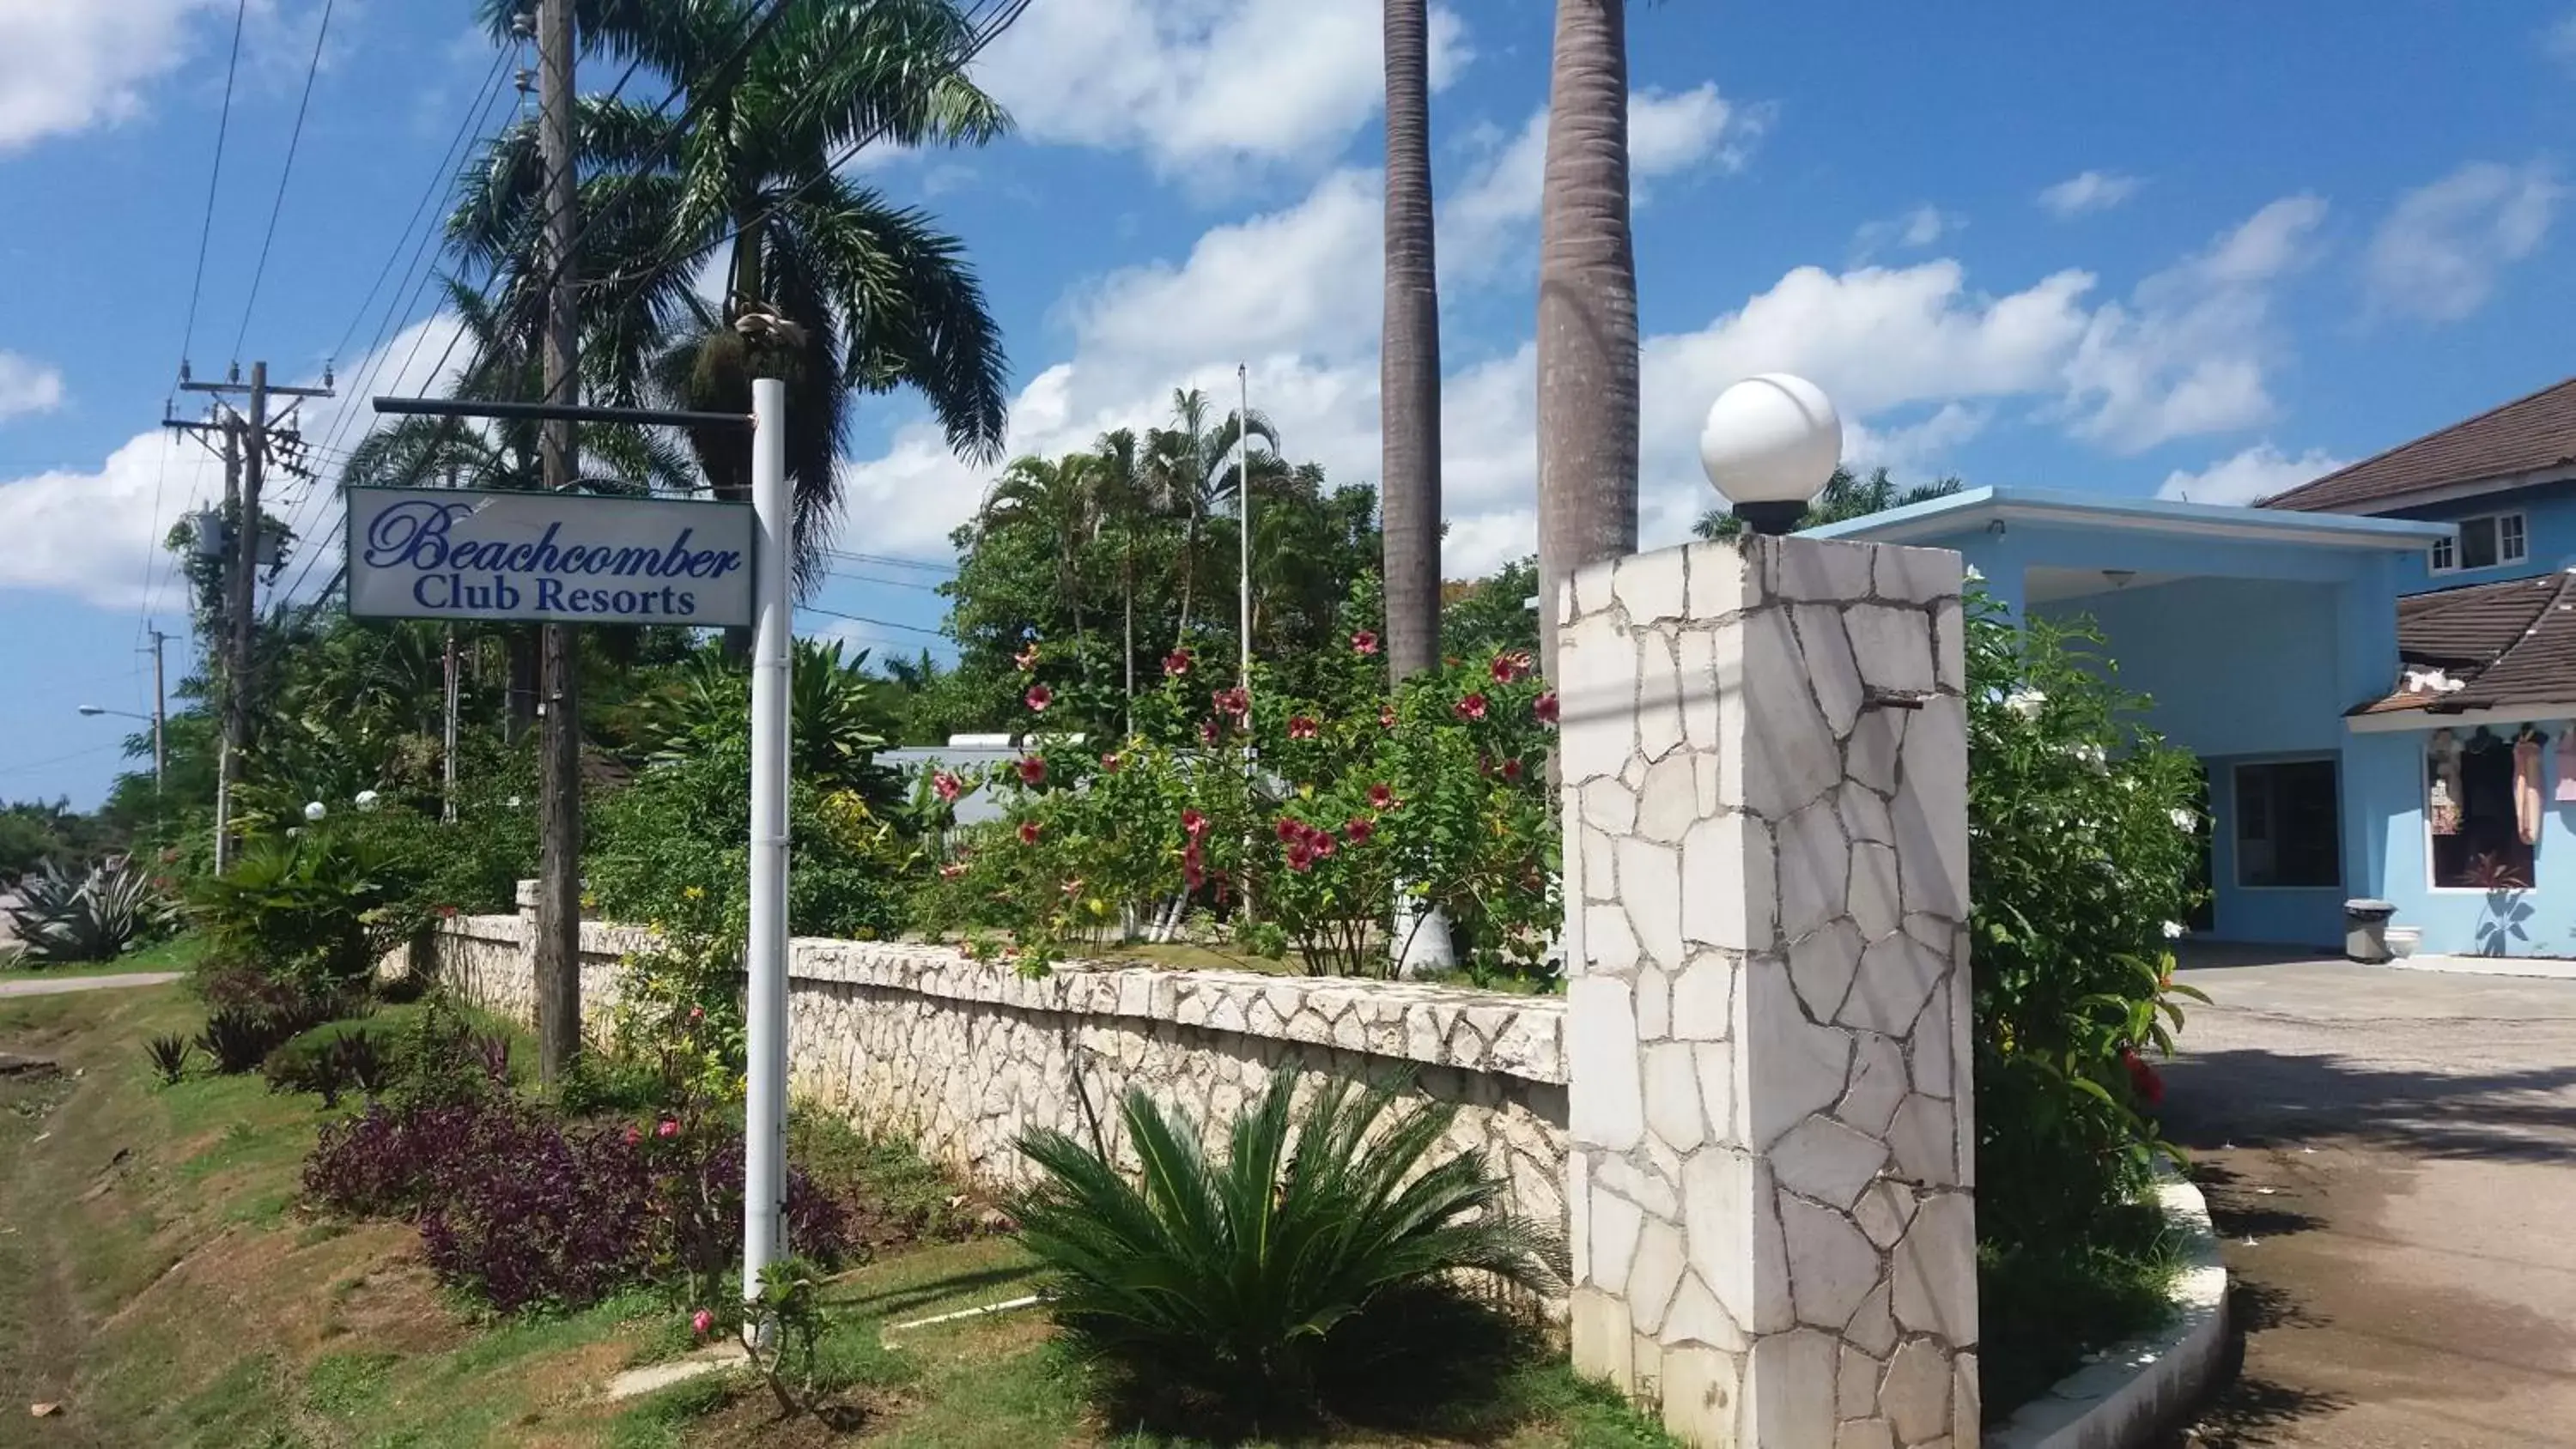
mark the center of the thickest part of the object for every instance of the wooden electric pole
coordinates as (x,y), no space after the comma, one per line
(559,648)
(246,455)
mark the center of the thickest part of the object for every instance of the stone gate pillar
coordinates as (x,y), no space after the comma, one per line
(1766,870)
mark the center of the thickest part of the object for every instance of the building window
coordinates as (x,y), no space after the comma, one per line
(2487,541)
(2477,838)
(2289,825)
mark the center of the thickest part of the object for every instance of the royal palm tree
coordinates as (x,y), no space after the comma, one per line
(1587,308)
(825,282)
(1125,494)
(1409,353)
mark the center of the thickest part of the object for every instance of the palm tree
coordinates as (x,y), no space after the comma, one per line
(1125,494)
(1191,472)
(1063,498)
(826,283)
(1587,308)
(1845,495)
(1409,353)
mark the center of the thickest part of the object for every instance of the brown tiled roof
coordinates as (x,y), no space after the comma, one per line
(2524,435)
(2504,644)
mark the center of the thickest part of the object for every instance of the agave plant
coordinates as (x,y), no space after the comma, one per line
(93,916)
(1241,1281)
(170,1055)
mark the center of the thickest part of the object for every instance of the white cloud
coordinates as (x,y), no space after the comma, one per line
(68,65)
(2088,191)
(1918,359)
(97,533)
(27,386)
(1487,218)
(2250,476)
(2190,350)
(1196,84)
(1912,231)
(2437,255)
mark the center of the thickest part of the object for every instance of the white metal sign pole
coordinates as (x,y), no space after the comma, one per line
(764,1195)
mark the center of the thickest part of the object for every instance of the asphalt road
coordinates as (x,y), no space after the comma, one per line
(2391,1158)
(56,986)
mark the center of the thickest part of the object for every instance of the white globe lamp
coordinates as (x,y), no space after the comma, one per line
(314,811)
(1770,443)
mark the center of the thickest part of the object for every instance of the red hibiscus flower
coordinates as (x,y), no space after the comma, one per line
(1193,825)
(1193,867)
(947,786)
(1176,663)
(1322,843)
(1364,642)
(1290,831)
(1512,770)
(1472,707)
(1302,728)
(1207,732)
(1386,716)
(1039,697)
(1236,702)
(1111,763)
(1510,665)
(1358,829)
(1382,797)
(1032,769)
(1301,857)
(1029,832)
(1545,707)
(2143,1077)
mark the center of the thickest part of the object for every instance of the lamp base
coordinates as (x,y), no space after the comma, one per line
(1771,518)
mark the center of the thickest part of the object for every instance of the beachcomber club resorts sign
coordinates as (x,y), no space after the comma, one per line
(563,558)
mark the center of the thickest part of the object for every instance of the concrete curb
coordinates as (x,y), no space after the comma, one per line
(2151,1381)
(2533,968)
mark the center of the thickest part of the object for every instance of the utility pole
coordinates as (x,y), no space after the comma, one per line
(160,717)
(559,646)
(246,456)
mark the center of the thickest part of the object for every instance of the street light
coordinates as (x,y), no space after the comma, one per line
(1769,444)
(158,759)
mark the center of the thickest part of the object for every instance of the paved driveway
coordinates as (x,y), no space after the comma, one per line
(2391,1156)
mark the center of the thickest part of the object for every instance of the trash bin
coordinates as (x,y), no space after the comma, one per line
(2365,931)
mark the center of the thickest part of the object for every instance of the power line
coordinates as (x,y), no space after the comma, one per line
(206,232)
(864,619)
(886,561)
(888,583)
(23,766)
(294,138)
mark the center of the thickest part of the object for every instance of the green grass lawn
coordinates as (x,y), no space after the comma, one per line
(168,1289)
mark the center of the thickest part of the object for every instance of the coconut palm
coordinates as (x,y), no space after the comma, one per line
(1409,354)
(1064,499)
(1587,308)
(825,282)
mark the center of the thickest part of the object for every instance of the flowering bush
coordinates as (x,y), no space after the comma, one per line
(1302,819)
(2082,859)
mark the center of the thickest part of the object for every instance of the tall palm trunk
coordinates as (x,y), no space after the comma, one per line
(1409,353)
(1587,309)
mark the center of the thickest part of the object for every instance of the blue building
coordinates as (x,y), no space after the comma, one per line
(2376,669)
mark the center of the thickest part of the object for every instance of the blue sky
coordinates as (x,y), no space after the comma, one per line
(2212,249)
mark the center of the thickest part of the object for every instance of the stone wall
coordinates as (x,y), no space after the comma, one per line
(962,1056)
(1766,871)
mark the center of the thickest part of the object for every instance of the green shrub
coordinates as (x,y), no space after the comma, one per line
(318,907)
(169,1054)
(1236,1289)
(297,1064)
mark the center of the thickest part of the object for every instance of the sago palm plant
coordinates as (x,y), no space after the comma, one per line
(1242,1283)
